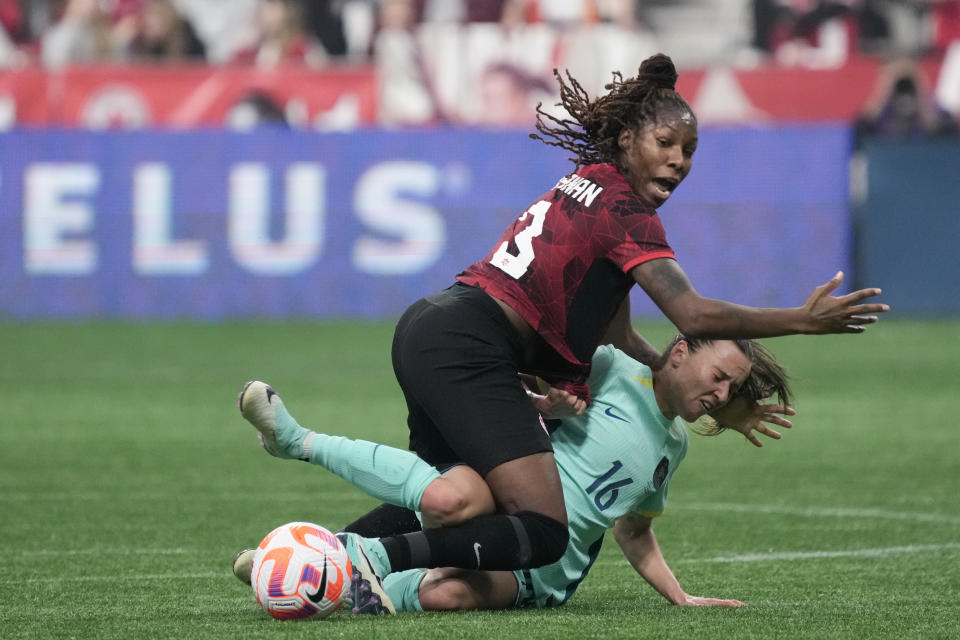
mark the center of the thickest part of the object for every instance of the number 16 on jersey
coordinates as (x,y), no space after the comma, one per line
(516,265)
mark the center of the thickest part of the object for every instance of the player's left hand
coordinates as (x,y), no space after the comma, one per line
(747,417)
(696,601)
(842,314)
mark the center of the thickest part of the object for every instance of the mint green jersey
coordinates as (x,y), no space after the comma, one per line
(617,458)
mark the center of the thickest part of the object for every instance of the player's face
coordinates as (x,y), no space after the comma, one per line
(659,155)
(705,379)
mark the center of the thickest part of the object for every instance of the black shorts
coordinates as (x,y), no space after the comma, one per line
(456,357)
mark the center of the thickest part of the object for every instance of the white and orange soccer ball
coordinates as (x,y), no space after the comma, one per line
(301,570)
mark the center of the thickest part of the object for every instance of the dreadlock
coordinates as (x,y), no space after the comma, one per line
(593,129)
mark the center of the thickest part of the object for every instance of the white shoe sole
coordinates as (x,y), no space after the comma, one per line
(243,565)
(256,406)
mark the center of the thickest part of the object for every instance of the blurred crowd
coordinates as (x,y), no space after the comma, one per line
(827,32)
(266,33)
(478,61)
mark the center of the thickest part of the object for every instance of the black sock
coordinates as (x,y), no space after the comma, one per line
(524,540)
(385,520)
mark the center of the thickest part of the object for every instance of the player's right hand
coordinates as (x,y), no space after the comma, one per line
(843,314)
(557,403)
(697,601)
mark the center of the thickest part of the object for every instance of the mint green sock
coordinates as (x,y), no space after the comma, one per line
(389,474)
(404,589)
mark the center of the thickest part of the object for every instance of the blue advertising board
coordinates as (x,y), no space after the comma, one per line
(909,224)
(217,224)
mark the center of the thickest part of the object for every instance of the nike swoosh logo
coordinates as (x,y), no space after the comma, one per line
(321,593)
(476,552)
(610,413)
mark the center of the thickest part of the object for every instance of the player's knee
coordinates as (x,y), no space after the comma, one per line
(453,500)
(547,538)
(444,505)
(445,508)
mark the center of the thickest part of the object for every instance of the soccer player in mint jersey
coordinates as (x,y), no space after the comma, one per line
(615,462)
(553,289)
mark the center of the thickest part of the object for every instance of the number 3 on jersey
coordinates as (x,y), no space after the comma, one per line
(516,265)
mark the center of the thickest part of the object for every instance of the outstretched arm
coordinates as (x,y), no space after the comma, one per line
(635,536)
(694,315)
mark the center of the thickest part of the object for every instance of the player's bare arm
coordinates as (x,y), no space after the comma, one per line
(634,534)
(623,336)
(670,288)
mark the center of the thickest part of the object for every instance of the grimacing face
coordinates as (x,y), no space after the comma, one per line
(658,156)
(704,380)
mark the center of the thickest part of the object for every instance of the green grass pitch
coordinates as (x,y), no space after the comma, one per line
(128,480)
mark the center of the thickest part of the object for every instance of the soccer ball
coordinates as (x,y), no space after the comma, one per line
(301,570)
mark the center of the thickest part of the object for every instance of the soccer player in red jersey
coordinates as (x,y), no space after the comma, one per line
(552,289)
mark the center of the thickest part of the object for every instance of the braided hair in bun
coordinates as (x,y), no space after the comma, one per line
(593,127)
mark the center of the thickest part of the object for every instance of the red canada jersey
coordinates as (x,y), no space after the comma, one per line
(564,264)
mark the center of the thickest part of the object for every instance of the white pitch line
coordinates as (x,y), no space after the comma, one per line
(106,496)
(120,577)
(105,552)
(821,512)
(877,552)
